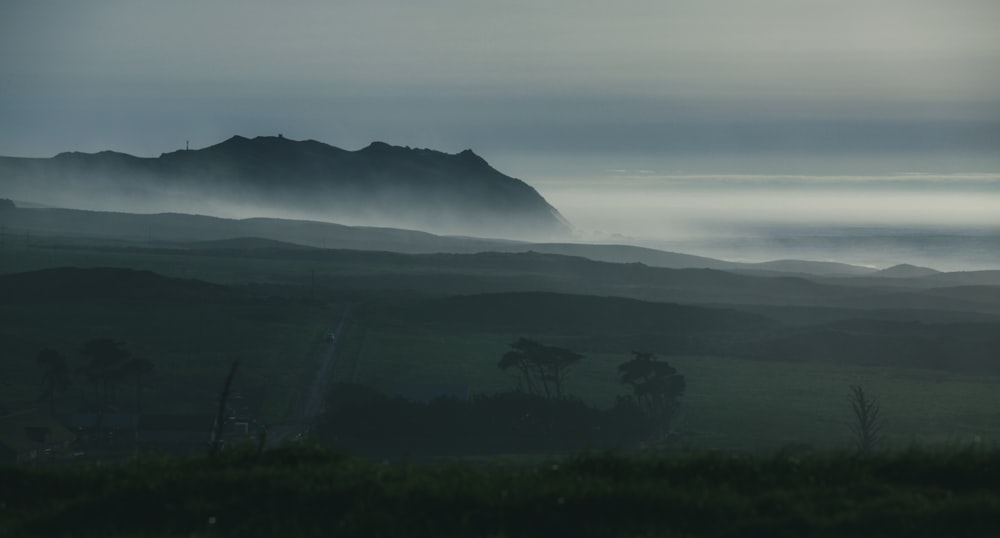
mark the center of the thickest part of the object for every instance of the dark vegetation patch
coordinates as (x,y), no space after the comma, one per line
(366,422)
(307,491)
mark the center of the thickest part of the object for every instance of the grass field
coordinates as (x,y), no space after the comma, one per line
(304,491)
(730,403)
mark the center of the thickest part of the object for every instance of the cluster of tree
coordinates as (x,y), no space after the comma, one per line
(656,387)
(107,365)
(363,420)
(543,369)
(539,417)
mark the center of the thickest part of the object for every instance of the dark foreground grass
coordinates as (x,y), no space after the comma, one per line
(309,491)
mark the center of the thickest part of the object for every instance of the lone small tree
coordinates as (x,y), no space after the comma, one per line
(656,386)
(220,417)
(867,423)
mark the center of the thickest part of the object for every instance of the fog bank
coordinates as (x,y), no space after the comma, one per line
(944,221)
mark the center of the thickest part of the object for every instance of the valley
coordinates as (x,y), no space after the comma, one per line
(768,351)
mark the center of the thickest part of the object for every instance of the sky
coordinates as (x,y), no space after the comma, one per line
(716,86)
(640,120)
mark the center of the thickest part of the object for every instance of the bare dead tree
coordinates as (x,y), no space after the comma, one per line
(867,424)
(220,417)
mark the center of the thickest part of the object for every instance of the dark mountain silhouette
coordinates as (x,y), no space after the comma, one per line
(379,184)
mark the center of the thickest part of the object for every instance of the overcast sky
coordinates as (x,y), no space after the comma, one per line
(697,78)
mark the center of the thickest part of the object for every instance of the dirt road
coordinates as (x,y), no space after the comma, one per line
(300,419)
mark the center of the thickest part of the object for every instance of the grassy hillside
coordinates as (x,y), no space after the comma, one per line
(410,327)
(190,330)
(732,402)
(182,228)
(484,272)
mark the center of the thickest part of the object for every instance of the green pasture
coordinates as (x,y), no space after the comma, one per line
(730,403)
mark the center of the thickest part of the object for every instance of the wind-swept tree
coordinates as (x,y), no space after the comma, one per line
(656,386)
(542,369)
(519,358)
(105,366)
(55,375)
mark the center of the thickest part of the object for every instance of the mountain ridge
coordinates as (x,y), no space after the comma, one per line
(380,184)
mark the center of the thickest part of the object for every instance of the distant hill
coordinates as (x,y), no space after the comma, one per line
(379,184)
(244,243)
(811,268)
(558,313)
(971,278)
(906,270)
(205,233)
(622,254)
(105,284)
(200,231)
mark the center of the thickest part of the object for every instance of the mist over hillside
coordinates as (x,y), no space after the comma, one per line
(274,176)
(946,221)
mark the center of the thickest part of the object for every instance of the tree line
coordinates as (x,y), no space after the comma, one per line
(540,415)
(542,370)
